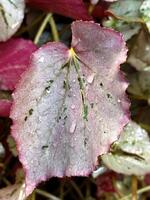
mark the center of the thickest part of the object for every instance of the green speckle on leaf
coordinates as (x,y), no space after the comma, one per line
(31,111)
(47,88)
(66,85)
(50,81)
(65,108)
(45,147)
(109,96)
(85,112)
(65,117)
(80,83)
(92,105)
(101,84)
(25,119)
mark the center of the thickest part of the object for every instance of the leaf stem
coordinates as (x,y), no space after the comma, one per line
(42,27)
(76,188)
(145,189)
(90,9)
(46,194)
(54,29)
(134,187)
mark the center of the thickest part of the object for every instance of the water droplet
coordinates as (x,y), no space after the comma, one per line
(73,107)
(48,91)
(71,145)
(13,26)
(54,144)
(73,127)
(74,81)
(119,100)
(90,78)
(41,59)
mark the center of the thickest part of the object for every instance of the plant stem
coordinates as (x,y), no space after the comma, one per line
(54,29)
(42,27)
(91,8)
(134,187)
(145,189)
(62,190)
(46,194)
(27,28)
(76,188)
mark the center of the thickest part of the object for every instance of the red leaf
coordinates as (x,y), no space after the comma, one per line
(14,58)
(70,8)
(5,106)
(110,0)
(147,179)
(105,183)
(64,105)
(100,10)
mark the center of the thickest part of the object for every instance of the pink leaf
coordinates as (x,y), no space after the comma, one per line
(5,106)
(105,183)
(14,58)
(64,105)
(70,8)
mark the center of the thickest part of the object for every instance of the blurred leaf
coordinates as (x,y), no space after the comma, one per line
(126,17)
(19,176)
(139,56)
(11,17)
(145,11)
(2,151)
(5,106)
(143,117)
(14,60)
(13,192)
(12,145)
(70,8)
(140,84)
(104,183)
(131,153)
(127,29)
(127,10)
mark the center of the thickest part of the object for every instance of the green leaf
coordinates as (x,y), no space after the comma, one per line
(126,17)
(131,153)
(145,12)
